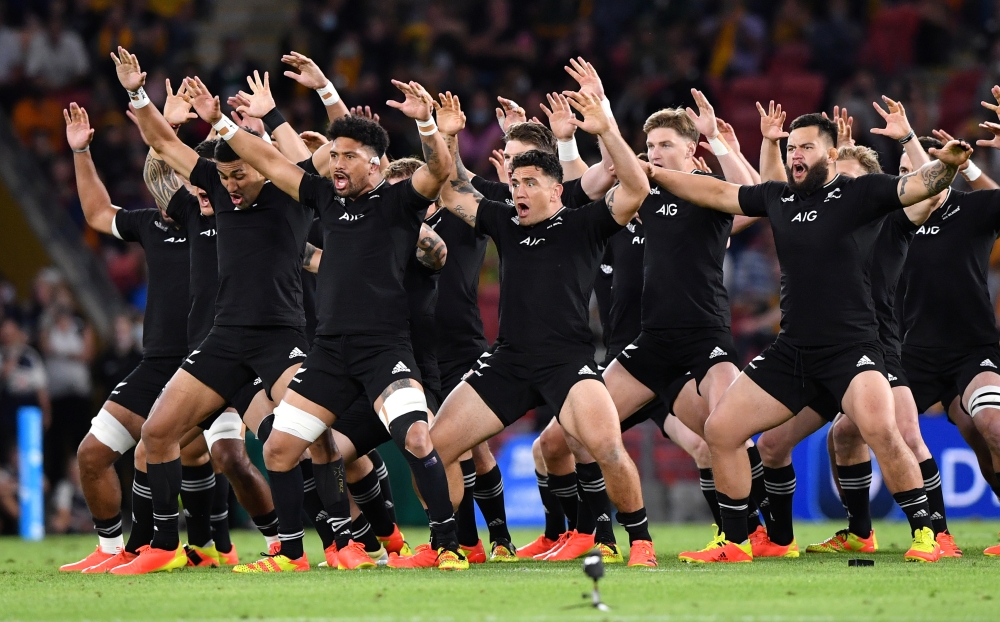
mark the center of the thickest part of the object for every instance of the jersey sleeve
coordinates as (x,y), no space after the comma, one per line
(489,217)
(205,175)
(308,166)
(492,190)
(128,225)
(755,199)
(179,208)
(901,222)
(408,197)
(987,207)
(315,192)
(574,195)
(599,221)
(879,194)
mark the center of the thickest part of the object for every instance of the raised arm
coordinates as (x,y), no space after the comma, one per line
(704,120)
(973,175)
(598,178)
(418,105)
(255,152)
(155,128)
(94,198)
(933,177)
(772,167)
(458,196)
(311,258)
(161,180)
(633,187)
(260,104)
(897,127)
(701,190)
(559,114)
(728,134)
(431,249)
(308,74)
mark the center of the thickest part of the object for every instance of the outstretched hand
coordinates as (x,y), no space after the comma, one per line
(509,113)
(586,76)
(207,106)
(245,120)
(416,104)
(954,153)
(996,95)
(559,113)
(771,122)
(946,138)
(78,130)
(496,159)
(450,118)
(704,119)
(897,126)
(993,128)
(363,111)
(127,68)
(595,120)
(309,74)
(259,100)
(313,140)
(728,134)
(176,109)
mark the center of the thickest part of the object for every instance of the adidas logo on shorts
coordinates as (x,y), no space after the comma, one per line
(400,368)
(987,363)
(717,352)
(892,378)
(586,371)
(865,361)
(296,353)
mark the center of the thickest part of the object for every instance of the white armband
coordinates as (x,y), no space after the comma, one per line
(568,150)
(226,128)
(138,98)
(972,172)
(328,94)
(718,146)
(428,127)
(606,107)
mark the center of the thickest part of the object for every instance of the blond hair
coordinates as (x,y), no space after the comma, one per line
(675,119)
(403,168)
(866,157)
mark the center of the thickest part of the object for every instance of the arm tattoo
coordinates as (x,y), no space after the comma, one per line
(935,178)
(307,257)
(464,186)
(609,198)
(431,249)
(430,154)
(161,180)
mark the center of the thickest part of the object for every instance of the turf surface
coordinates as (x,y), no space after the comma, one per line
(813,587)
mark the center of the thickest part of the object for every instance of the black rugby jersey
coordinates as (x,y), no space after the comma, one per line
(888,257)
(204,283)
(164,326)
(626,250)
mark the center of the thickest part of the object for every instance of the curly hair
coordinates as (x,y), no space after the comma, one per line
(534,134)
(365,131)
(548,163)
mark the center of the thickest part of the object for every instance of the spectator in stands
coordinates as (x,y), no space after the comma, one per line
(22,378)
(69,507)
(121,358)
(11,58)
(56,56)
(10,507)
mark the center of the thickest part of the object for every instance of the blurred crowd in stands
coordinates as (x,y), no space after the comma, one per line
(938,56)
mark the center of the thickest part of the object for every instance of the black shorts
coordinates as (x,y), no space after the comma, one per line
(942,374)
(512,384)
(453,370)
(240,402)
(361,426)
(659,408)
(894,370)
(139,390)
(825,404)
(343,368)
(657,359)
(234,356)
(797,376)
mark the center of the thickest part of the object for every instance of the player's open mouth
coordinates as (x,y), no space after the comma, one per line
(203,200)
(236,199)
(798,170)
(340,181)
(522,210)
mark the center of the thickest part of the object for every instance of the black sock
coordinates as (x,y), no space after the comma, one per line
(367,493)
(383,480)
(935,497)
(362,532)
(428,472)
(780,484)
(164,487)
(110,527)
(220,514)
(267,524)
(636,524)
(468,534)
(286,490)
(586,521)
(563,487)
(313,505)
(914,505)
(855,480)
(197,491)
(555,520)
(142,514)
(734,517)
(595,496)
(707,480)
(758,492)
(489,498)
(331,482)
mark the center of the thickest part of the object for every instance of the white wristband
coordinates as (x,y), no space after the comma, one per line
(328,94)
(606,107)
(428,127)
(87,148)
(226,128)
(718,146)
(568,150)
(972,172)
(138,98)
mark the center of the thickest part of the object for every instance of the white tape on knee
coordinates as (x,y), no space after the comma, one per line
(297,422)
(983,398)
(227,426)
(402,401)
(110,432)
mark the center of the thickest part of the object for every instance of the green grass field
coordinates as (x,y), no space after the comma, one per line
(810,588)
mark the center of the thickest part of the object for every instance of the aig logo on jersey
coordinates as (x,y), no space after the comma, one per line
(351,217)
(925,230)
(530,241)
(805,216)
(667,210)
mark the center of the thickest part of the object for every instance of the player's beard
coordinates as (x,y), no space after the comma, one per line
(814,180)
(351,191)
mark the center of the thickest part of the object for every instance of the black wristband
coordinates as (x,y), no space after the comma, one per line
(273,119)
(907,138)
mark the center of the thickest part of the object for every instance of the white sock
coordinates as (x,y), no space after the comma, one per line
(271,540)
(111,545)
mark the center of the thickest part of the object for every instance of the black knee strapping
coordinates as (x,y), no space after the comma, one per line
(264,429)
(401,425)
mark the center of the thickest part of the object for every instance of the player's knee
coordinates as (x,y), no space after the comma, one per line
(701,454)
(418,440)
(914,440)
(772,451)
(846,434)
(719,434)
(156,432)
(230,455)
(93,457)
(552,444)
(278,458)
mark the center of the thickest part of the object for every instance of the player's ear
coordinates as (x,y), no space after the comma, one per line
(557,191)
(692,146)
(832,154)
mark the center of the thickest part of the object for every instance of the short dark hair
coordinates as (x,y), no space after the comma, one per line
(206,148)
(224,153)
(548,163)
(403,168)
(826,126)
(533,134)
(365,131)
(929,142)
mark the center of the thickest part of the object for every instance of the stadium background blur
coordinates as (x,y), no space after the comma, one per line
(939,57)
